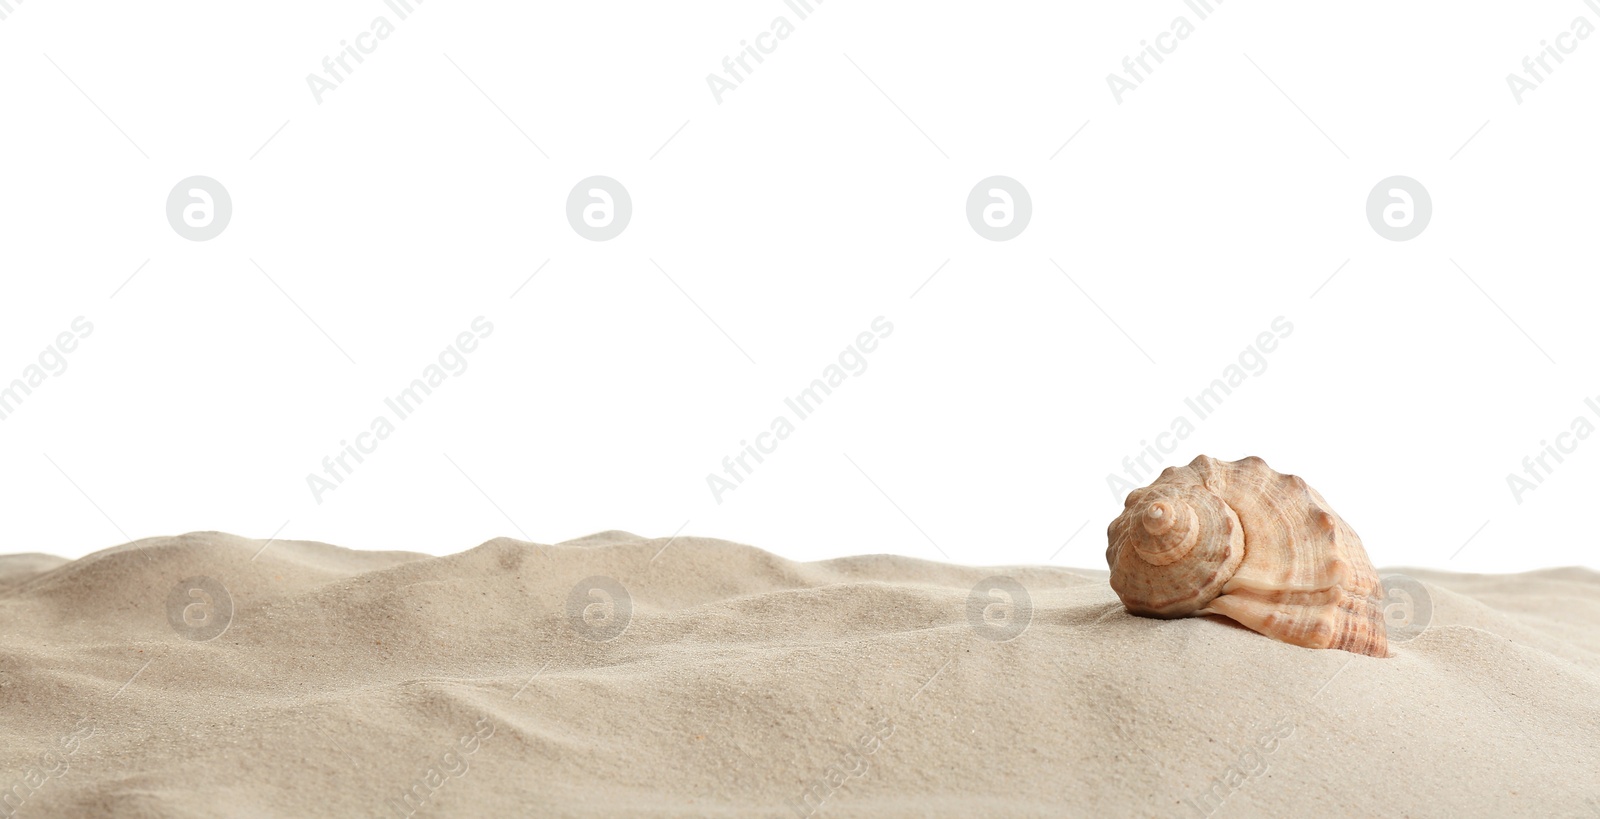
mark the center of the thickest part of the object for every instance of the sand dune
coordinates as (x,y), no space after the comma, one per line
(707,678)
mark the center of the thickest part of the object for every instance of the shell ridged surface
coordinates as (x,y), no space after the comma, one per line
(1237,539)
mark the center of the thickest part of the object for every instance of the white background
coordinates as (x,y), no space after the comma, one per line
(802,206)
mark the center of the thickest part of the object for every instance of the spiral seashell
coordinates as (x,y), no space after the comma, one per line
(1237,539)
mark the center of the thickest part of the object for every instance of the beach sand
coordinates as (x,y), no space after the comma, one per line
(707,678)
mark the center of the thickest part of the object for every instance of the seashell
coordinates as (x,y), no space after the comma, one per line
(1236,538)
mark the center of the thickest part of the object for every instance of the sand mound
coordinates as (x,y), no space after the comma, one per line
(211,675)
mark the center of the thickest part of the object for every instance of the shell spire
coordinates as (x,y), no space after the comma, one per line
(1237,539)
(1173,531)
